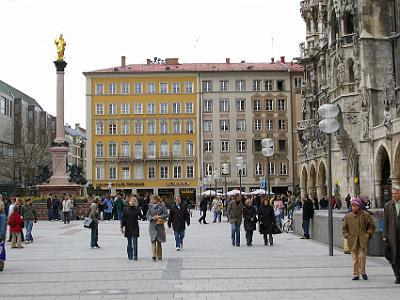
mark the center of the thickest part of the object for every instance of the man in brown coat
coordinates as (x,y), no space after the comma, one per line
(391,231)
(235,215)
(358,228)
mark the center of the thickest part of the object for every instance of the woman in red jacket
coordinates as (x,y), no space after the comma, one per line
(15,221)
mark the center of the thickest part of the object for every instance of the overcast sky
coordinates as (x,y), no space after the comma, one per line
(98,32)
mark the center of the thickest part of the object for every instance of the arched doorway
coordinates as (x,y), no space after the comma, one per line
(321,181)
(383,184)
(396,169)
(303,182)
(312,187)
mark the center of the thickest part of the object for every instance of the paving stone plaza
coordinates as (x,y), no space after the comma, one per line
(61,265)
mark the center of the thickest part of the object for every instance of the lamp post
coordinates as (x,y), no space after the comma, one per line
(267,151)
(329,125)
(240,166)
(209,179)
(225,172)
(216,177)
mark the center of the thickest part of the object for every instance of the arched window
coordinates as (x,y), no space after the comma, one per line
(151,150)
(177,149)
(125,149)
(189,148)
(259,169)
(138,150)
(334,27)
(99,149)
(112,149)
(208,169)
(164,149)
(348,19)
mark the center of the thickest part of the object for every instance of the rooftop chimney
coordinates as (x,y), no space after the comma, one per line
(272,60)
(227,60)
(148,61)
(123,61)
(172,61)
(282,59)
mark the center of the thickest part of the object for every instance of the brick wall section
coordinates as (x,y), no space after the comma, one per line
(80,209)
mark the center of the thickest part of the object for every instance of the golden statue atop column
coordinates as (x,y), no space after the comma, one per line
(60,43)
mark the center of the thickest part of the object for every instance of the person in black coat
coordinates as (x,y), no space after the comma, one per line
(178,218)
(267,220)
(250,220)
(130,226)
(203,209)
(308,213)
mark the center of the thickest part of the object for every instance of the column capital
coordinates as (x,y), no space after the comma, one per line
(60,65)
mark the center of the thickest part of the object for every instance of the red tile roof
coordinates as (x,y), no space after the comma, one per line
(201,67)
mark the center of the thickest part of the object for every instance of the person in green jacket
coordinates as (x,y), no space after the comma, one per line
(28,212)
(119,206)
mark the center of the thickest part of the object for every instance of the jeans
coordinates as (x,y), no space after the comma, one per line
(268,237)
(71,214)
(235,234)
(65,215)
(306,228)
(28,233)
(249,237)
(94,234)
(179,235)
(50,214)
(217,215)
(203,216)
(119,214)
(132,249)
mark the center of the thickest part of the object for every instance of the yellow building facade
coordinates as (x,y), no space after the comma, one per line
(142,128)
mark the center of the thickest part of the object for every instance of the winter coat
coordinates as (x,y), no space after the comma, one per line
(203,204)
(266,217)
(217,205)
(250,218)
(94,212)
(157,231)
(15,221)
(308,209)
(49,204)
(66,205)
(178,217)
(358,229)
(235,212)
(108,205)
(28,212)
(391,229)
(119,204)
(129,220)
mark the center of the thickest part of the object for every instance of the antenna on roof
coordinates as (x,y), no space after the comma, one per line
(272,47)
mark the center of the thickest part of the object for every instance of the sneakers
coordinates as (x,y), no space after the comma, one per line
(355,278)
(397,281)
(26,242)
(154,258)
(364,276)
(97,246)
(178,249)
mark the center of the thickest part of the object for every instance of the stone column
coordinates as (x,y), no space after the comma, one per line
(378,194)
(60,133)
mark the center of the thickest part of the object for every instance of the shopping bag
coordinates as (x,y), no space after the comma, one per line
(87,223)
(346,247)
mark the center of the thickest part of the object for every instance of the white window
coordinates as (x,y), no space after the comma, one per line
(257,85)
(138,88)
(151,150)
(176,87)
(151,108)
(125,149)
(207,125)
(163,88)
(99,173)
(208,105)
(189,171)
(164,172)
(207,146)
(282,168)
(271,168)
(224,85)
(112,149)
(126,173)
(125,109)
(257,125)
(224,125)
(177,149)
(138,108)
(164,149)
(112,109)
(208,170)
(125,88)
(297,82)
(112,88)
(112,127)
(99,89)
(176,108)
(240,125)
(99,127)
(240,104)
(177,126)
(188,87)
(223,105)
(151,127)
(163,126)
(269,105)
(99,109)
(224,146)
(189,107)
(240,85)
(125,127)
(257,105)
(151,172)
(189,126)
(270,125)
(139,171)
(281,104)
(138,150)
(138,127)
(258,169)
(150,88)
(241,146)
(268,85)
(207,86)
(282,124)
(177,171)
(163,108)
(99,149)
(113,173)
(189,148)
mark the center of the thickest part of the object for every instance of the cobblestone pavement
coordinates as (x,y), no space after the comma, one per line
(60,265)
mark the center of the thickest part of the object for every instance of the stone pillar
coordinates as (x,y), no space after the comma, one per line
(321,191)
(378,194)
(302,192)
(60,133)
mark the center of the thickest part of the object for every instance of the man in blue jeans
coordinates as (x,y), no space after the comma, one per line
(178,217)
(235,215)
(28,212)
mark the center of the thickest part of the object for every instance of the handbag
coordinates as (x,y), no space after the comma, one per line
(2,251)
(276,229)
(160,221)
(87,223)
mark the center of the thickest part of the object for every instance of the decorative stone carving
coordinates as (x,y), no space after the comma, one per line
(387,121)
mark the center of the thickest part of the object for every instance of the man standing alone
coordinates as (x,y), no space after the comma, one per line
(391,231)
(28,213)
(178,218)
(308,213)
(235,214)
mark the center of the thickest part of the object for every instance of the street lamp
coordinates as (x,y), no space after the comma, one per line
(267,151)
(216,177)
(329,125)
(240,166)
(225,173)
(209,179)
